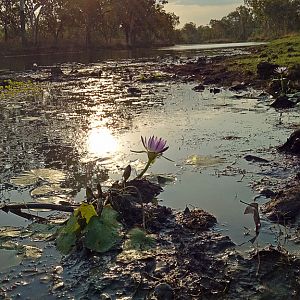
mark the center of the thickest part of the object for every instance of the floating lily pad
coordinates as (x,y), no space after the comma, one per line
(26,179)
(162,179)
(127,256)
(32,177)
(31,119)
(10,232)
(203,161)
(25,251)
(53,199)
(42,232)
(9,258)
(49,189)
(31,252)
(50,175)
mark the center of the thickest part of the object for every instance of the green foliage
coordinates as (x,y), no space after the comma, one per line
(86,22)
(67,235)
(15,88)
(99,233)
(284,52)
(102,233)
(139,240)
(85,211)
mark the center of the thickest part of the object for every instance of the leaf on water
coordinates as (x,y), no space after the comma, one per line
(102,233)
(29,119)
(67,235)
(42,232)
(26,179)
(162,179)
(32,177)
(49,189)
(25,251)
(50,175)
(87,211)
(31,252)
(203,161)
(9,258)
(139,240)
(53,199)
(9,232)
(253,209)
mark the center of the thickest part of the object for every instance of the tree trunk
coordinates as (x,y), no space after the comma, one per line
(22,22)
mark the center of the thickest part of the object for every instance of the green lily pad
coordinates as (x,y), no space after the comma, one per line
(49,189)
(102,233)
(203,161)
(9,258)
(32,177)
(42,232)
(25,251)
(26,179)
(53,199)
(10,232)
(50,175)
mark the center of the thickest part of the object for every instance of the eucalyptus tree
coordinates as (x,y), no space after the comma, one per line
(55,19)
(137,17)
(189,33)
(9,18)
(275,17)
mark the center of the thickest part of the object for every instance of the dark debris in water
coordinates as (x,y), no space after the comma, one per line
(285,206)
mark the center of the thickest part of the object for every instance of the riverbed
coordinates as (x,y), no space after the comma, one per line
(86,128)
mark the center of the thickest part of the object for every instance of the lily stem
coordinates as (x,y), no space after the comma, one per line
(145,169)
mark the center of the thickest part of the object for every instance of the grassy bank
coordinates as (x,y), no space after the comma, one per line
(283,52)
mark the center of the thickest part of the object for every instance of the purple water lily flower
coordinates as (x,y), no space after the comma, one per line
(155,145)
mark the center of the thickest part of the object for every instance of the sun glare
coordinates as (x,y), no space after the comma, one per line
(101,142)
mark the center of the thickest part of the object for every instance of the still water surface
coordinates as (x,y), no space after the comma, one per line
(87,128)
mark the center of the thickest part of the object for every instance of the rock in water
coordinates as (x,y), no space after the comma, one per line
(292,145)
(56,72)
(282,102)
(265,70)
(254,158)
(163,291)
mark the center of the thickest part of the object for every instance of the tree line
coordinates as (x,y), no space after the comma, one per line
(131,23)
(86,22)
(256,19)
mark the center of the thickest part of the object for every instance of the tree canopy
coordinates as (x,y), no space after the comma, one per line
(86,22)
(256,19)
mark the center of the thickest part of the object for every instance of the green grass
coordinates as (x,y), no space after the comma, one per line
(16,88)
(284,52)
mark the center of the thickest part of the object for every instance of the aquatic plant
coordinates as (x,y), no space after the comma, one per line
(155,147)
(282,71)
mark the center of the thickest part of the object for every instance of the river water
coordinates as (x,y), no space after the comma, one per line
(87,128)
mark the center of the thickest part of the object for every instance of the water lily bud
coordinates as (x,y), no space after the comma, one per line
(127,173)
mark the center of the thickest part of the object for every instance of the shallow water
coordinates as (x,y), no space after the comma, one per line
(87,128)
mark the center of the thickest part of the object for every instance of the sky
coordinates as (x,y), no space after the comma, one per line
(201,11)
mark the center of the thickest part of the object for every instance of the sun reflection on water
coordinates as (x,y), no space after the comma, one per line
(100,141)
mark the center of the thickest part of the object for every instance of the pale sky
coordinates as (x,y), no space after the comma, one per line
(201,11)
